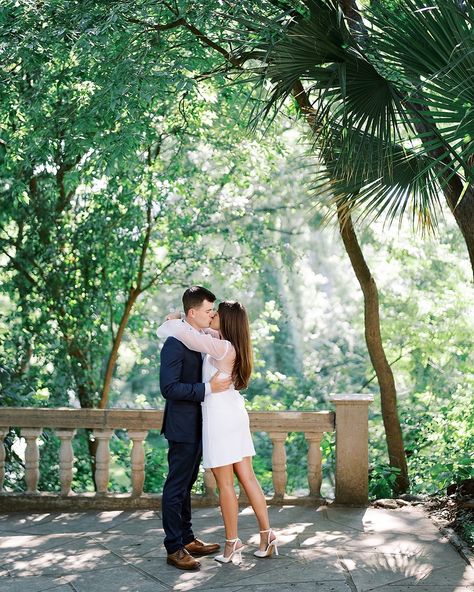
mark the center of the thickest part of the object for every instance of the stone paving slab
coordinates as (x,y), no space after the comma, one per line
(79,556)
(118,579)
(424,588)
(445,576)
(33,584)
(67,523)
(15,547)
(325,549)
(132,546)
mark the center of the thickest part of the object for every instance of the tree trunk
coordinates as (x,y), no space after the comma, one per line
(373,338)
(133,295)
(463,212)
(388,393)
(460,202)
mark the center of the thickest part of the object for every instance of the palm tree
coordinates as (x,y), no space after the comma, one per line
(285,70)
(393,102)
(390,101)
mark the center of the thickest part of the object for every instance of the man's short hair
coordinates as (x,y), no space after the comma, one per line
(195,296)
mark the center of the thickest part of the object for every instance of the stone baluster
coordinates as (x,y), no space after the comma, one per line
(279,464)
(31,458)
(314,463)
(352,448)
(210,486)
(138,460)
(66,459)
(3,433)
(102,460)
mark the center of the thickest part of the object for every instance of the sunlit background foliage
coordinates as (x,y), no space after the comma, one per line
(107,132)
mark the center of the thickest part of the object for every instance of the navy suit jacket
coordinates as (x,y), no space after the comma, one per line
(182,387)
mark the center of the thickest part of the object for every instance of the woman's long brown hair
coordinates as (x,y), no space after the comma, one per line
(234,326)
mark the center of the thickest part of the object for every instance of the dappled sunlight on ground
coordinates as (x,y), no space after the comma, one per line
(388,568)
(327,548)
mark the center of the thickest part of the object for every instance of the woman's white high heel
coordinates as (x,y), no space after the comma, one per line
(271,545)
(235,551)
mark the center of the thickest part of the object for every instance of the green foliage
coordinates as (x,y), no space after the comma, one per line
(392,120)
(156,466)
(467,531)
(262,462)
(14,464)
(382,479)
(110,131)
(128,181)
(82,473)
(49,462)
(440,439)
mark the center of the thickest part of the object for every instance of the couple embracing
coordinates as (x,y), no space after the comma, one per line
(205,361)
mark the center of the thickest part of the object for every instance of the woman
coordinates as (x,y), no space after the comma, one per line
(226,438)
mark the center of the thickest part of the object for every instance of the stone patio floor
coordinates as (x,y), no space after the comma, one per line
(328,549)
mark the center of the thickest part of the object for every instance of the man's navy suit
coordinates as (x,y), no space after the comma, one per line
(182,387)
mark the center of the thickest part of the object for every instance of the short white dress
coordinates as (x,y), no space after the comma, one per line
(226,436)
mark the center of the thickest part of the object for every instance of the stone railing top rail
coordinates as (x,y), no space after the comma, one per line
(348,398)
(151,419)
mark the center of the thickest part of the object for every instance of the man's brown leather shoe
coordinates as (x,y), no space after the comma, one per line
(182,560)
(198,547)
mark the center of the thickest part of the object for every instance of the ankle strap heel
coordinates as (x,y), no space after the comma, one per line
(235,551)
(271,545)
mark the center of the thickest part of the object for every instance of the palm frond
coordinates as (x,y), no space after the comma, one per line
(393,109)
(409,184)
(433,47)
(346,88)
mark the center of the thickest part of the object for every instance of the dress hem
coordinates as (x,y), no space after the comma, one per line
(229,463)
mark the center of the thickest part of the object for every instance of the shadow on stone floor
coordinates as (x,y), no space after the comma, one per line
(325,549)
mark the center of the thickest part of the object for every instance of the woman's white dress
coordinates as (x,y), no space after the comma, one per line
(226,436)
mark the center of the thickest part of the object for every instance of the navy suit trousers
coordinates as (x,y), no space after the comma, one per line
(183,462)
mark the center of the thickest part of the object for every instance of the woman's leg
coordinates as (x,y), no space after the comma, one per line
(228,502)
(246,477)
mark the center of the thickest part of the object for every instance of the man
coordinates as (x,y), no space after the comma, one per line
(182,387)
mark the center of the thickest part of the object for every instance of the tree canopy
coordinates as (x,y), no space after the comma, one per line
(148,146)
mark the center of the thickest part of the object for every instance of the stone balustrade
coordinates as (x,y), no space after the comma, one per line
(349,421)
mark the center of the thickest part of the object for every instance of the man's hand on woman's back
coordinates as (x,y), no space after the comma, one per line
(219,384)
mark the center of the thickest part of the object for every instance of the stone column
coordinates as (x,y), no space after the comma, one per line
(31,458)
(3,433)
(138,460)
(314,463)
(279,464)
(352,448)
(102,460)
(66,459)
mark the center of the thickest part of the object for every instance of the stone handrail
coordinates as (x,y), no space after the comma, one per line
(349,421)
